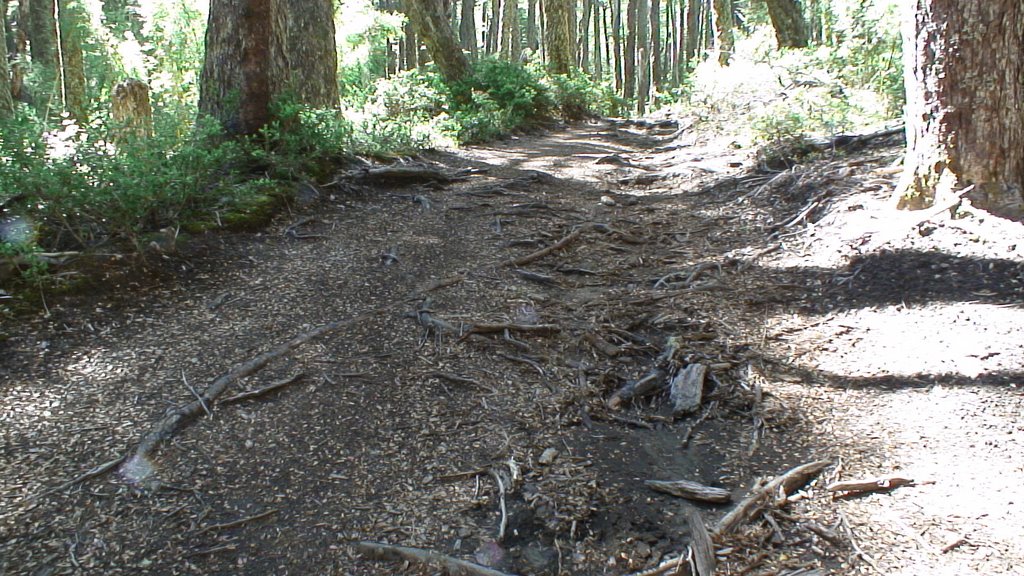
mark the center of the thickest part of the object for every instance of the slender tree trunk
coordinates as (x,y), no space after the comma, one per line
(787,18)
(724,28)
(467,27)
(494,27)
(511,43)
(44,47)
(584,44)
(707,25)
(629,54)
(20,52)
(560,35)
(644,57)
(410,43)
(434,29)
(965,114)
(72,27)
(532,34)
(656,68)
(816,23)
(6,100)
(617,45)
(598,40)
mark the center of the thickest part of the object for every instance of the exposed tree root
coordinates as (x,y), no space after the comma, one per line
(434,560)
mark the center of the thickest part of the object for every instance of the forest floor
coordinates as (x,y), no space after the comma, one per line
(831,326)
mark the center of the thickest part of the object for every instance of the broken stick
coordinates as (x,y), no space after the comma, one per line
(858,487)
(691,490)
(785,483)
(572,237)
(435,560)
(265,390)
(687,389)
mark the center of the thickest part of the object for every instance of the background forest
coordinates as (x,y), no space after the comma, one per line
(103,145)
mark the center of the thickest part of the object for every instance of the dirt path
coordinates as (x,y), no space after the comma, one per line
(883,347)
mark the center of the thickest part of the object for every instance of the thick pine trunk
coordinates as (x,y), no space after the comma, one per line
(693,18)
(434,29)
(6,100)
(724,30)
(305,56)
(72,26)
(43,46)
(560,35)
(584,29)
(410,47)
(467,26)
(964,72)
(788,20)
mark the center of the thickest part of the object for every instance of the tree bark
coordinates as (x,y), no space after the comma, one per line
(467,27)
(617,44)
(432,25)
(693,18)
(131,110)
(598,39)
(656,69)
(493,27)
(72,27)
(644,57)
(6,99)
(560,35)
(724,30)
(964,74)
(787,18)
(42,39)
(410,46)
(532,35)
(511,43)
(629,53)
(584,28)
(305,56)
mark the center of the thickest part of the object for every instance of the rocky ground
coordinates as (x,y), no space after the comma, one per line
(465,401)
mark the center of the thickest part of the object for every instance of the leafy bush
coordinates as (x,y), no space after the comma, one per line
(578,96)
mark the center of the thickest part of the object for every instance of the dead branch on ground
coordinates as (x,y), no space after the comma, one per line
(567,240)
(687,389)
(651,382)
(848,488)
(782,484)
(429,558)
(265,390)
(691,490)
(239,522)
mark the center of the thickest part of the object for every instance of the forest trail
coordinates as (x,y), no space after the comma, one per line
(831,327)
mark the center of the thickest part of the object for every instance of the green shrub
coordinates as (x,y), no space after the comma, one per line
(578,96)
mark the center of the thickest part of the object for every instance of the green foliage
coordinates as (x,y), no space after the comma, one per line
(870,54)
(578,96)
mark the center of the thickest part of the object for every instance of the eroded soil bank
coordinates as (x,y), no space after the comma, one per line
(477,424)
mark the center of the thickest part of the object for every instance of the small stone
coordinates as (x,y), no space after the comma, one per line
(548,456)
(607,201)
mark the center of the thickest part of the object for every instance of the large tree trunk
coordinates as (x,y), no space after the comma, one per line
(410,47)
(724,29)
(964,72)
(560,35)
(305,56)
(72,28)
(693,36)
(584,45)
(788,20)
(6,100)
(432,25)
(467,26)
(511,43)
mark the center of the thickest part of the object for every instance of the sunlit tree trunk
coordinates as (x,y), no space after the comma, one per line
(724,30)
(467,27)
(72,29)
(6,99)
(18,68)
(493,27)
(964,73)
(643,43)
(560,35)
(816,24)
(511,43)
(432,25)
(532,35)
(788,20)
(410,46)
(131,110)
(617,44)
(305,54)
(693,35)
(598,40)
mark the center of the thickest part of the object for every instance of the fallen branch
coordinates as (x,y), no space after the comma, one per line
(178,417)
(502,327)
(601,345)
(404,175)
(699,558)
(569,239)
(651,382)
(687,389)
(239,522)
(857,487)
(784,483)
(261,391)
(447,564)
(691,490)
(92,473)
(438,284)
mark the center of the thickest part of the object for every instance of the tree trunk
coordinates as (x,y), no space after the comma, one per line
(532,36)
(788,20)
(305,65)
(964,73)
(584,46)
(560,35)
(617,44)
(432,25)
(598,40)
(723,27)
(511,44)
(72,28)
(656,69)
(493,27)
(43,46)
(467,27)
(131,110)
(410,47)
(6,100)
(629,54)
(693,18)
(644,57)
